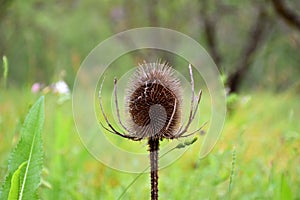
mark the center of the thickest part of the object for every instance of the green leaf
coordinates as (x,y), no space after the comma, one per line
(30,150)
(15,183)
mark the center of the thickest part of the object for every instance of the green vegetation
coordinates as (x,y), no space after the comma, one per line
(26,161)
(266,147)
(256,46)
(5,70)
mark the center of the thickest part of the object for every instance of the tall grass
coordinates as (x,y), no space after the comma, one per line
(262,126)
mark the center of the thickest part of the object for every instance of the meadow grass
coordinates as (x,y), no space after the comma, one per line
(262,128)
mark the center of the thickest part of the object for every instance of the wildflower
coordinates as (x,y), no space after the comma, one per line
(36,87)
(61,87)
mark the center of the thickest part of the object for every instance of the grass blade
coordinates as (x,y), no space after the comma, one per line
(285,189)
(5,70)
(230,187)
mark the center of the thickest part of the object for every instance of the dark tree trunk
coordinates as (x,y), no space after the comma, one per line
(287,14)
(210,31)
(255,38)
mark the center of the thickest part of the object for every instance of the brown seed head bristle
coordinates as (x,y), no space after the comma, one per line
(154,101)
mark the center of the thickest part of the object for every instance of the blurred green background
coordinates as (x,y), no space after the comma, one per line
(256,46)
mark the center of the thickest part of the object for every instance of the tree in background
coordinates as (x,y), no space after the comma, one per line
(250,43)
(257,35)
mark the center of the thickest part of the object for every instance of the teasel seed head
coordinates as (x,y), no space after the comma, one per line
(153,101)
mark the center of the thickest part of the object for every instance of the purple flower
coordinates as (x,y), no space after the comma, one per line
(36,87)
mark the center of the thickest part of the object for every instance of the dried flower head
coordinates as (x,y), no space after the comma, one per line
(153,101)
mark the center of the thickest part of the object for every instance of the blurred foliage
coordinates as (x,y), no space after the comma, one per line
(45,41)
(267,148)
(43,38)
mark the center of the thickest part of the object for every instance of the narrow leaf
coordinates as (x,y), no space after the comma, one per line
(5,67)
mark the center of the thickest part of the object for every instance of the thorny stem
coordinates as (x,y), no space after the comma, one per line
(179,146)
(153,148)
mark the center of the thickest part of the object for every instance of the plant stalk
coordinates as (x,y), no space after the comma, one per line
(153,148)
